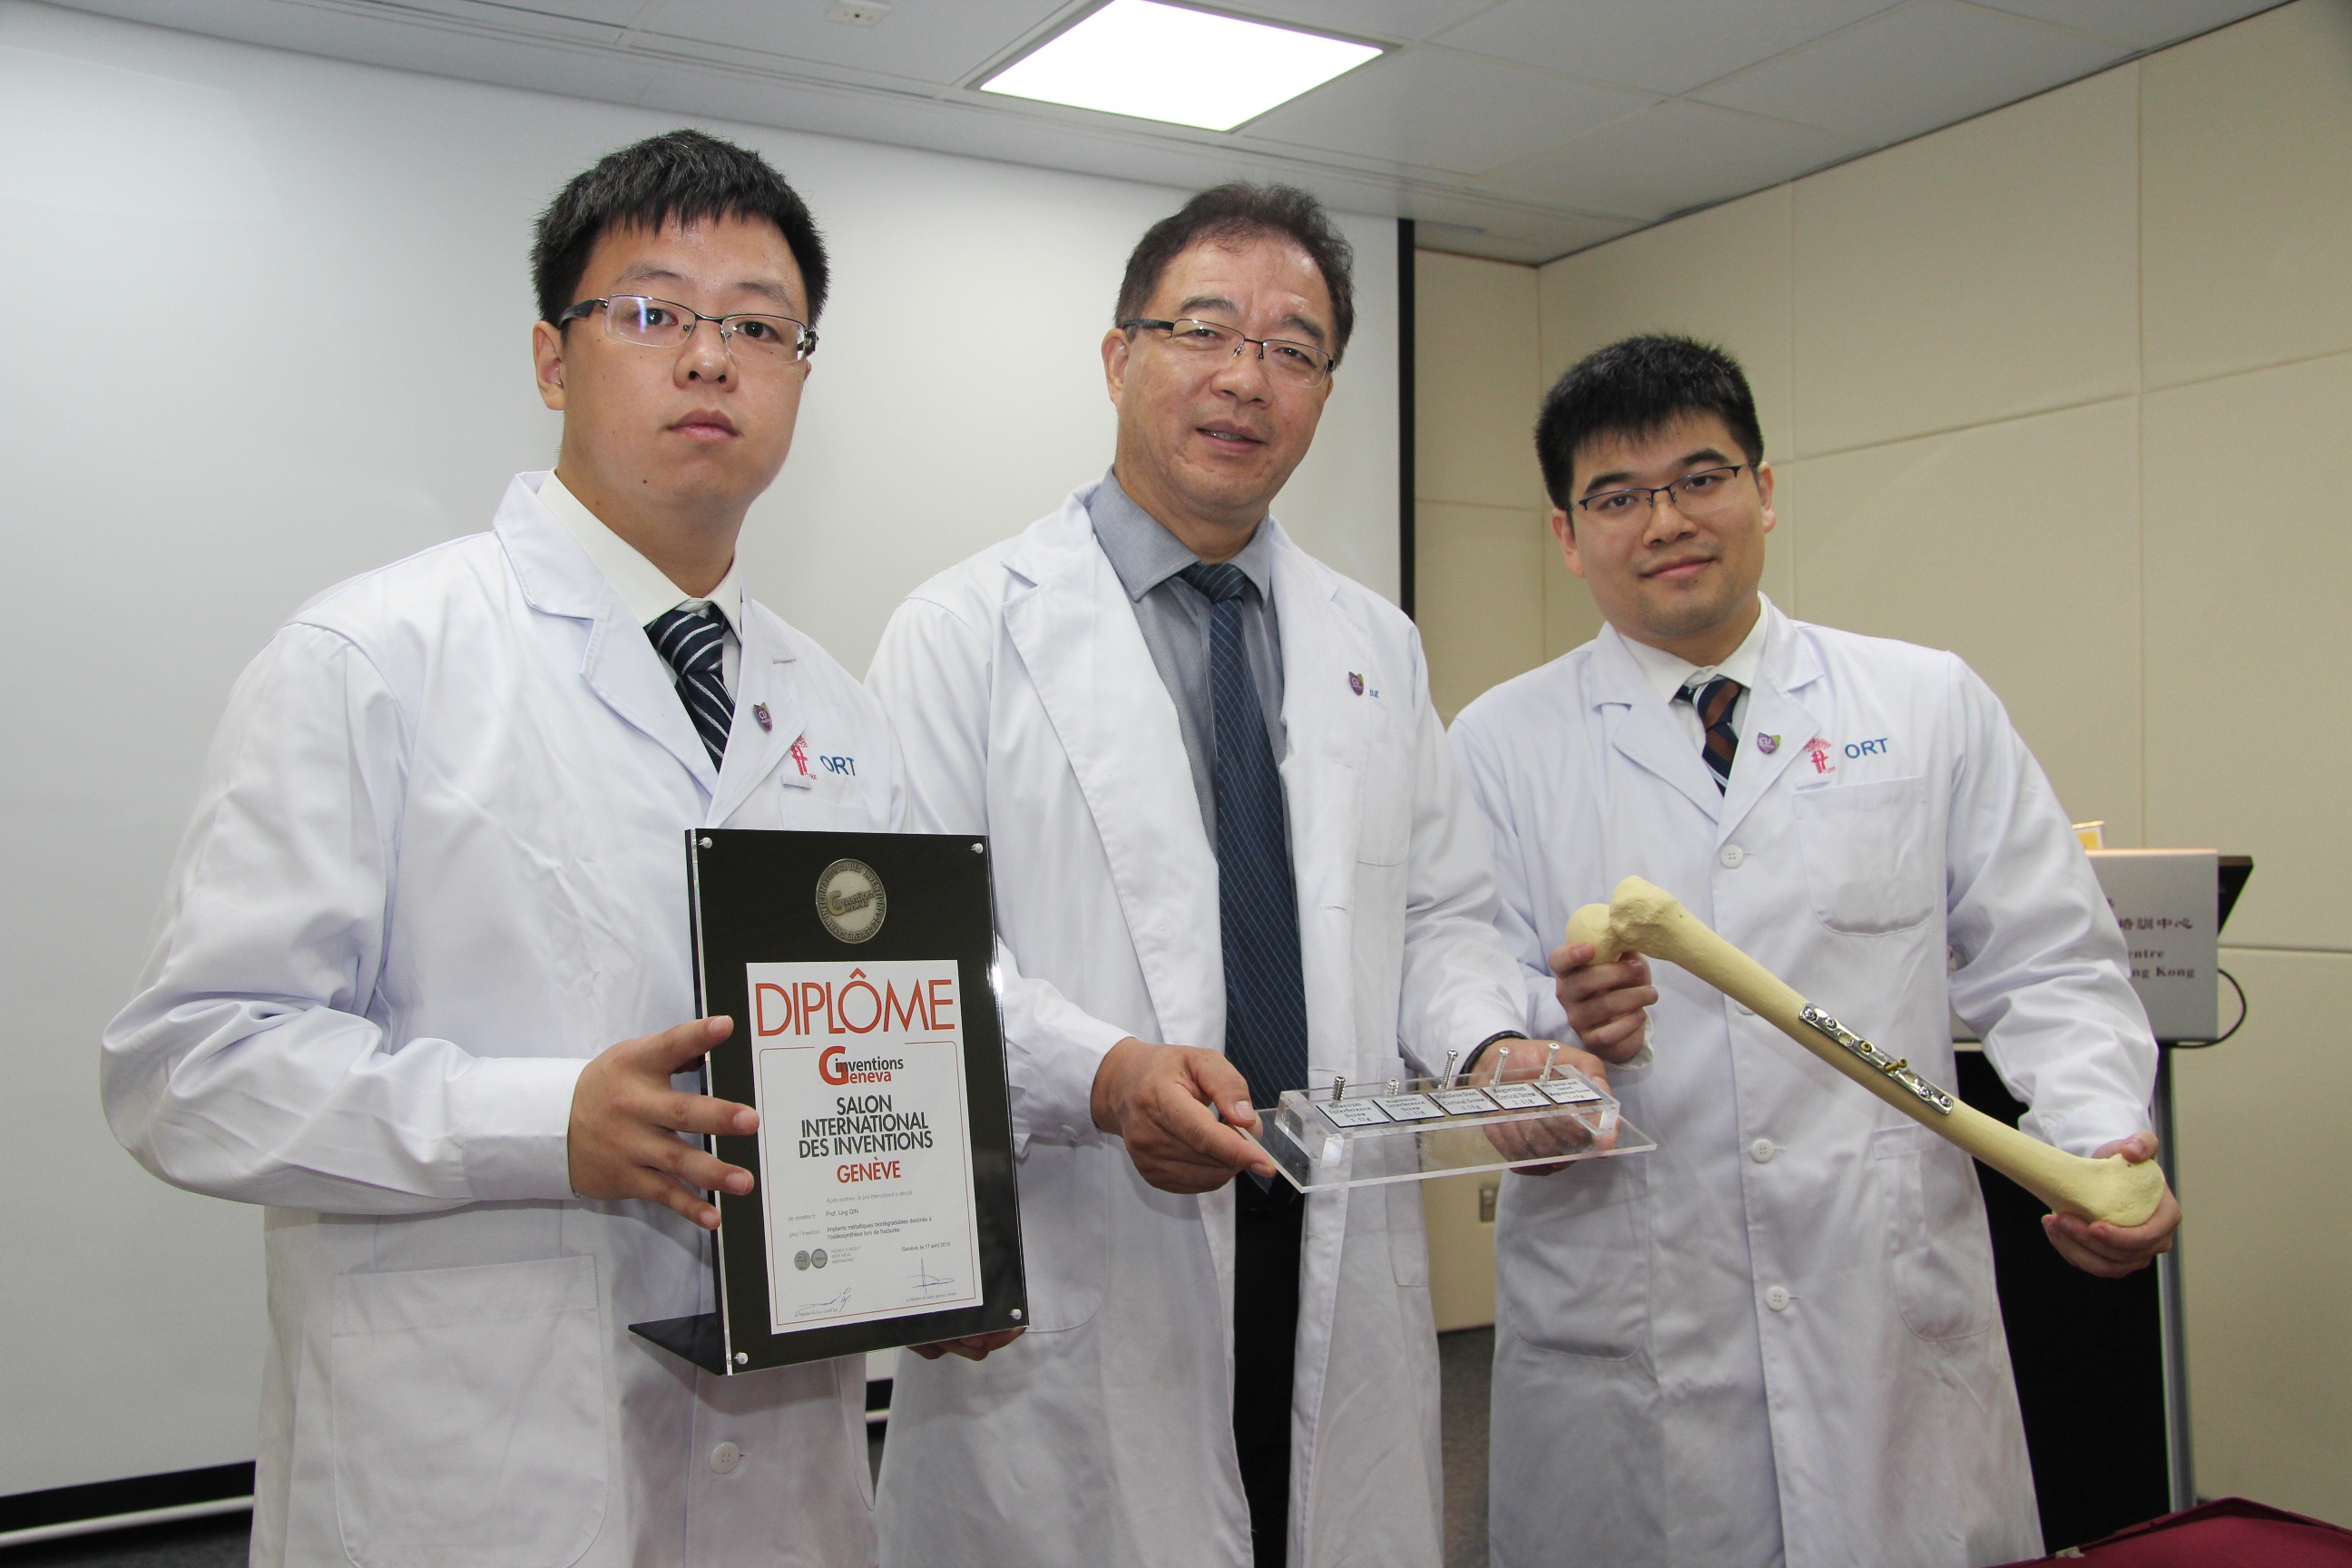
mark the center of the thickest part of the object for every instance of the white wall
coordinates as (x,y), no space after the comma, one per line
(266,323)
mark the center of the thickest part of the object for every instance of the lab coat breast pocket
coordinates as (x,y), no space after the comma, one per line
(470,1415)
(1936,1237)
(1868,862)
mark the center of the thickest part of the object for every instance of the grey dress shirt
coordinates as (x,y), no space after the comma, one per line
(1174,619)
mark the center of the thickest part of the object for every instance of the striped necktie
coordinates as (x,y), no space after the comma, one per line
(1714,703)
(695,645)
(1257,902)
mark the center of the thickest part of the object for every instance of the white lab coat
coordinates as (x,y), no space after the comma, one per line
(1783,1324)
(1031,709)
(438,862)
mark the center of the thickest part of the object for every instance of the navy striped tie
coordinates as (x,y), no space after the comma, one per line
(1714,703)
(1257,902)
(696,646)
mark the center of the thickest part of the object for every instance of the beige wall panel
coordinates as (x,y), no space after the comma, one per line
(1721,276)
(2247,748)
(1780,581)
(1475,342)
(2267,1257)
(1461,1249)
(1985,271)
(1478,597)
(2015,545)
(2246,196)
(1570,617)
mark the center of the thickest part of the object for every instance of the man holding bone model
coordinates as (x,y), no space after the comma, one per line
(1775,1338)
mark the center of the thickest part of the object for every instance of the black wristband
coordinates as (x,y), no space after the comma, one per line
(1480,1049)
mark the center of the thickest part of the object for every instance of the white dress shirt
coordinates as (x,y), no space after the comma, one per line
(644,586)
(1669,673)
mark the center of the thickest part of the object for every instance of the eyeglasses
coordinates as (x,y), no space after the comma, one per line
(1702,497)
(1302,366)
(666,324)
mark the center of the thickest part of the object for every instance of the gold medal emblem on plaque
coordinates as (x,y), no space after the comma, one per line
(850,901)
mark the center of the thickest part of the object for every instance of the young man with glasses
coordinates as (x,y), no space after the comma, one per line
(1224,819)
(436,872)
(1775,1338)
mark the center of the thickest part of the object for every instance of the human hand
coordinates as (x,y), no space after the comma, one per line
(1517,1061)
(2112,1251)
(1607,1003)
(626,1118)
(1165,1100)
(972,1347)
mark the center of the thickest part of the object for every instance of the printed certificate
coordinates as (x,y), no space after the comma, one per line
(864,1152)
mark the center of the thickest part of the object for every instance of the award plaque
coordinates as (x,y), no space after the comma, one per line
(858,970)
(1409,1129)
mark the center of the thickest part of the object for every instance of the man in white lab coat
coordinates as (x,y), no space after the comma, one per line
(1776,1339)
(1224,819)
(437,871)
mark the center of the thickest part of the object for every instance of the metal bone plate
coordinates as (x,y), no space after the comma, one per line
(1899,1070)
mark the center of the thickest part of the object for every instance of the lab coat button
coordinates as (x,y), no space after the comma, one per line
(1745,1010)
(1731,857)
(1777,1298)
(726,1457)
(1762,1151)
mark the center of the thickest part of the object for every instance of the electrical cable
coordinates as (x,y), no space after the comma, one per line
(2233,1028)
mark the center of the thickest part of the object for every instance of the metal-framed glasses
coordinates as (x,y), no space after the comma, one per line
(1701,496)
(1300,365)
(666,324)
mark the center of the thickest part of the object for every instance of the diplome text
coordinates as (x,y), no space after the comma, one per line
(867,1123)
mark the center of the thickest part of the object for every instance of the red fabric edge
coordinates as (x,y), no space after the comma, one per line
(2220,1508)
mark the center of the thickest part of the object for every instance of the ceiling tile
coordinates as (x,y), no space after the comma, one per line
(1561,236)
(1442,110)
(1914,70)
(935,41)
(529,17)
(1399,21)
(2142,24)
(1674,157)
(1658,46)
(1444,215)
(583,21)
(797,71)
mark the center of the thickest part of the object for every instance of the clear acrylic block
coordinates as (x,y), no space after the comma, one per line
(1409,1129)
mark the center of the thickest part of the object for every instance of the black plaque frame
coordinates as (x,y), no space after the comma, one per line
(752,897)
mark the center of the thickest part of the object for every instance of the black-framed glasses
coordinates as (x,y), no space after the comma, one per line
(1701,496)
(1301,364)
(666,324)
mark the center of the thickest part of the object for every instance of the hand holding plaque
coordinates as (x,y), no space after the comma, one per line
(854,973)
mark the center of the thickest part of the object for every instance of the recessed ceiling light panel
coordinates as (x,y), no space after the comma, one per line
(1172,63)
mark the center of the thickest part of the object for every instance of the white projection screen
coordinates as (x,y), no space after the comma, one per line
(266,325)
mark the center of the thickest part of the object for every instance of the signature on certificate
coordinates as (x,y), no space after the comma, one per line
(812,1308)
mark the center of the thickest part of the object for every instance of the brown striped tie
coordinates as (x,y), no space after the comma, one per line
(1714,703)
